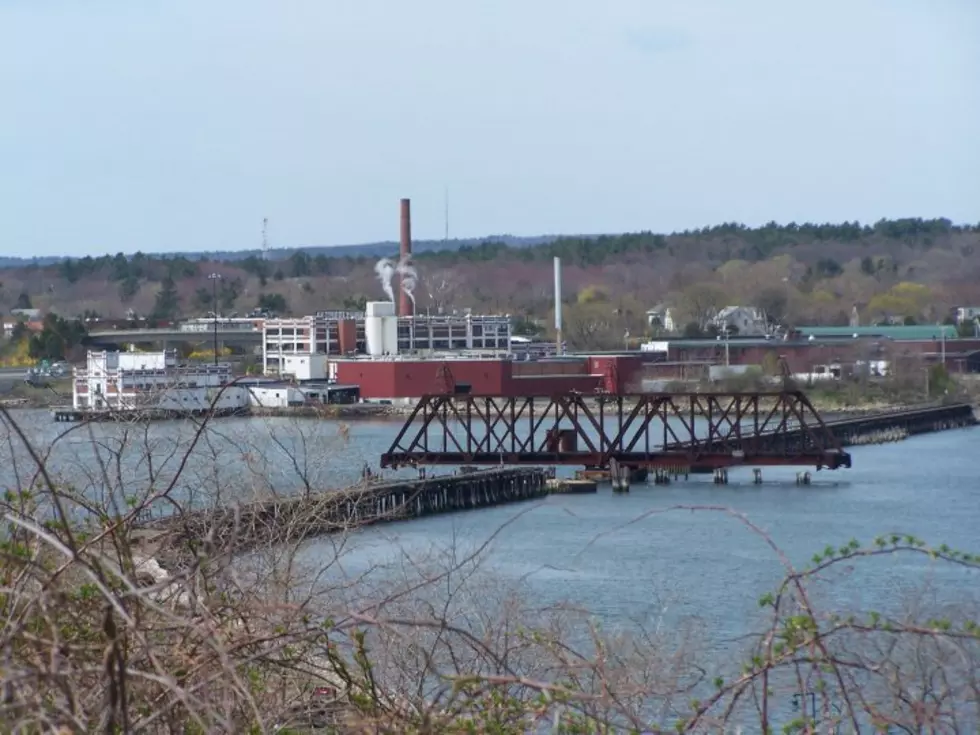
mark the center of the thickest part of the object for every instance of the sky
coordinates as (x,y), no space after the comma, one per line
(164,125)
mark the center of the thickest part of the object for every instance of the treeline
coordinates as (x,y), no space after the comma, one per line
(749,243)
(743,242)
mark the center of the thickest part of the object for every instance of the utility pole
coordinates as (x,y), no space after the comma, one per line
(214,278)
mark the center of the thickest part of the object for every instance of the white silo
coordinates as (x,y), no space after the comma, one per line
(375,312)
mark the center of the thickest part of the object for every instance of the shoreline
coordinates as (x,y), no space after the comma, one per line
(828,410)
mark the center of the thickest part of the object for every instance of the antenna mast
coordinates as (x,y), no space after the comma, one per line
(265,239)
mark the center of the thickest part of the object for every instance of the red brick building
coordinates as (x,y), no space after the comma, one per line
(624,373)
(386,379)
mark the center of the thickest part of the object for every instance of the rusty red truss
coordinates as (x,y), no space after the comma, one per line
(699,431)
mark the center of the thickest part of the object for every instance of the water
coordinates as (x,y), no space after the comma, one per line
(625,556)
(629,560)
(634,565)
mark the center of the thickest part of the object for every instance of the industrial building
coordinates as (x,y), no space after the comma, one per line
(145,380)
(306,348)
(390,353)
(409,379)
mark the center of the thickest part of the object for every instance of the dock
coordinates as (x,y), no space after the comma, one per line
(294,518)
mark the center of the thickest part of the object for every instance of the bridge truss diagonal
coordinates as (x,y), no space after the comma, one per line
(700,431)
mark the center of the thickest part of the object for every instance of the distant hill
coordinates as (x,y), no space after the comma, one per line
(369,250)
(911,269)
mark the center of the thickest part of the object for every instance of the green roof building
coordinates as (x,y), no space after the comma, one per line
(911,332)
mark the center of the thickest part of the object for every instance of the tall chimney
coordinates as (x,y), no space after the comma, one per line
(405,251)
(558,338)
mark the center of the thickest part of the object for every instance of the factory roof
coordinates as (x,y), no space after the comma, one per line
(911,332)
(733,342)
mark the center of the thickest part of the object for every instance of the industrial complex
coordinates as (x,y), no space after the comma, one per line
(388,352)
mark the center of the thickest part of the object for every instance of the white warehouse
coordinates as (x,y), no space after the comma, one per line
(153,380)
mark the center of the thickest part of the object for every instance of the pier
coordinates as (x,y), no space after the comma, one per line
(293,518)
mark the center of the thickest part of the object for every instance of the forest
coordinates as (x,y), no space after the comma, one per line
(913,270)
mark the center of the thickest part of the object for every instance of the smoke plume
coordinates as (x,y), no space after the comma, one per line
(409,277)
(385,269)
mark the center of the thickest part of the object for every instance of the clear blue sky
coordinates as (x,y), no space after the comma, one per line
(159,125)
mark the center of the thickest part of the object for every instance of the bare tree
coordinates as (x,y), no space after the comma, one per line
(214,616)
(700,303)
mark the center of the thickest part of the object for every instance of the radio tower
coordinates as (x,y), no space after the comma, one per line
(265,239)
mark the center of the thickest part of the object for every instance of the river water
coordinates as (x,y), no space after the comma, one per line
(624,557)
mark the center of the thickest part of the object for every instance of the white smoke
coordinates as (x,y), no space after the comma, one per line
(385,269)
(409,277)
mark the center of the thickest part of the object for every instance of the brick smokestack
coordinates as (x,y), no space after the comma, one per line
(405,251)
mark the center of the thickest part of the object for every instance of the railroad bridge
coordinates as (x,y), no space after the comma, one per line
(696,431)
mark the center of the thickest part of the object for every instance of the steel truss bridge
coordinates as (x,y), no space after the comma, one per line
(697,431)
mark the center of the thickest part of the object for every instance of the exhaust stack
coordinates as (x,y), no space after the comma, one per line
(558,323)
(404,253)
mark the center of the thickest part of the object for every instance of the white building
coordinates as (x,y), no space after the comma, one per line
(746,321)
(660,318)
(662,346)
(304,348)
(276,395)
(966,314)
(153,380)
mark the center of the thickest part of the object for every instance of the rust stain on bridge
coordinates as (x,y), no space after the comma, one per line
(699,431)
